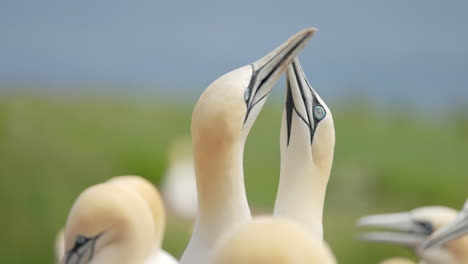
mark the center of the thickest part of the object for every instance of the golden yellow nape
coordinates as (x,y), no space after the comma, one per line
(150,195)
(397,261)
(108,224)
(272,241)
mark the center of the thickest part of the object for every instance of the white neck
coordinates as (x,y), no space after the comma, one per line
(301,192)
(222,201)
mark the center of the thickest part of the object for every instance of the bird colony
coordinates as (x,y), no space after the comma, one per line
(123,219)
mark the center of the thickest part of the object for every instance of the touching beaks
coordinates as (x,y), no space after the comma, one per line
(411,233)
(267,70)
(302,100)
(455,229)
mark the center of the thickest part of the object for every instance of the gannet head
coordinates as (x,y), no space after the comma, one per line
(415,226)
(151,196)
(268,241)
(108,224)
(307,131)
(452,236)
(229,106)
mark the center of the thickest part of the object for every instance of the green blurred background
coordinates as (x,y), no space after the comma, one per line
(94,89)
(54,146)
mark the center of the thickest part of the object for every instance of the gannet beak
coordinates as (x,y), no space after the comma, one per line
(267,70)
(411,233)
(82,251)
(302,99)
(454,230)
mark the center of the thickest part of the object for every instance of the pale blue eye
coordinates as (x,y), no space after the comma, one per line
(319,112)
(247,94)
(80,240)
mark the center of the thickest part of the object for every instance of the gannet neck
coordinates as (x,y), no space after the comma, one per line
(307,143)
(220,185)
(267,241)
(305,204)
(222,202)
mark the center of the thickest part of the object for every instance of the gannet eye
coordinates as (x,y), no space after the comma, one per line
(80,240)
(247,94)
(319,112)
(426,226)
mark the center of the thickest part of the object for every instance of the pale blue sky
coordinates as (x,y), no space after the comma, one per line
(395,50)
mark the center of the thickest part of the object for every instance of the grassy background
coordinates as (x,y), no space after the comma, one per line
(52,147)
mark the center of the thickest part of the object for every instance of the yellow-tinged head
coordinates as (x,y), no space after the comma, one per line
(414,226)
(308,131)
(227,109)
(272,241)
(397,260)
(150,195)
(108,224)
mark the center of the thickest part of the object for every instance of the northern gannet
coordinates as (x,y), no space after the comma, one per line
(307,143)
(453,238)
(414,228)
(179,188)
(221,121)
(108,224)
(397,260)
(152,198)
(272,240)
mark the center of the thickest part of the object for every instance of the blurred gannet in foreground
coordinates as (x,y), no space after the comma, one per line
(272,241)
(414,228)
(307,144)
(108,224)
(453,237)
(221,122)
(397,261)
(152,198)
(179,188)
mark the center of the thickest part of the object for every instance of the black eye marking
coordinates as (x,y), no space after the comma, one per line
(427,227)
(80,248)
(319,111)
(253,81)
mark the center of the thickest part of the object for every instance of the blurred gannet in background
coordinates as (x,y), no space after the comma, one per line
(307,144)
(414,228)
(221,122)
(59,249)
(272,241)
(151,196)
(108,224)
(453,237)
(179,188)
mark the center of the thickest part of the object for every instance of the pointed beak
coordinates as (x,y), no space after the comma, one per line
(301,99)
(456,229)
(267,70)
(410,234)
